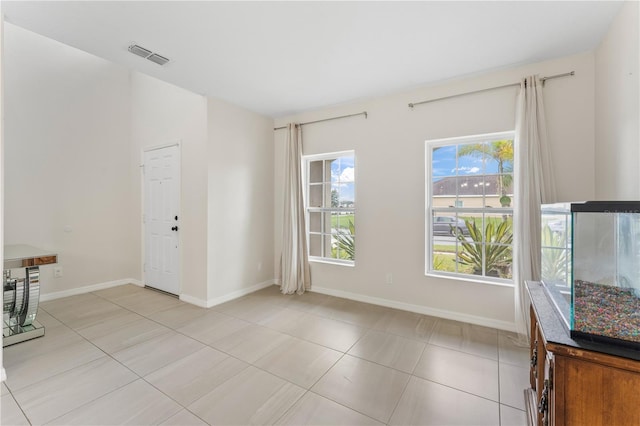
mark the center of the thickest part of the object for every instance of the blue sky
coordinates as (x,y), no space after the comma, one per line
(342,177)
(443,162)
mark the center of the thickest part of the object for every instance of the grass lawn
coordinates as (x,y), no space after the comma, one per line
(447,263)
(344,220)
(477,220)
(446,248)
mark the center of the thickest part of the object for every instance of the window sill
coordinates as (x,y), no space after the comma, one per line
(333,262)
(489,281)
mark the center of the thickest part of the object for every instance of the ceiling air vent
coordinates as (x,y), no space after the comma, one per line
(160,60)
(140,51)
(147,54)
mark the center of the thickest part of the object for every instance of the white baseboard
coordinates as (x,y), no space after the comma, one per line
(425,310)
(184,297)
(227,297)
(194,301)
(88,289)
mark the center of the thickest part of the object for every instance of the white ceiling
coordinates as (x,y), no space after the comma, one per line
(278,58)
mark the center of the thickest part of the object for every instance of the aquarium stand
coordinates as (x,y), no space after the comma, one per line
(577,382)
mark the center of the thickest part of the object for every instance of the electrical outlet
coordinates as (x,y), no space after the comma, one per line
(57,271)
(389,278)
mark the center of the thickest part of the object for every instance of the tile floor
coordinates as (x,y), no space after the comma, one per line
(129,355)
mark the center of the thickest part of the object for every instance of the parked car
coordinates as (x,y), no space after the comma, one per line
(446,225)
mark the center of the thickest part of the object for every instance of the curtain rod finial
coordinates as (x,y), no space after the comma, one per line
(411,106)
(366,115)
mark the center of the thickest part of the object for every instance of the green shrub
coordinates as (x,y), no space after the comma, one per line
(493,248)
(345,241)
(554,256)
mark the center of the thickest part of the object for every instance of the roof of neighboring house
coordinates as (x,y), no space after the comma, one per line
(468,185)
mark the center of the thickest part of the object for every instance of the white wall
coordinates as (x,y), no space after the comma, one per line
(618,109)
(226,186)
(67,159)
(77,129)
(83,123)
(389,148)
(3,373)
(240,200)
(161,114)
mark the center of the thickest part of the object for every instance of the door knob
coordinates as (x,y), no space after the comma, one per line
(174,228)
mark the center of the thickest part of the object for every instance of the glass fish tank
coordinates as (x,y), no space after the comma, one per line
(605,272)
(555,256)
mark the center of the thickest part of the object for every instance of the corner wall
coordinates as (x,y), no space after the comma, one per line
(161,114)
(240,201)
(617,91)
(390,181)
(67,162)
(77,129)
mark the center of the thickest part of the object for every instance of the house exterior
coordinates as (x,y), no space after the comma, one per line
(469,191)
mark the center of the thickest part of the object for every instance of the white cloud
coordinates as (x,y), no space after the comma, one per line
(347,175)
(467,170)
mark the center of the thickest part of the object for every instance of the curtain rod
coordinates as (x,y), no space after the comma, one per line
(327,119)
(543,79)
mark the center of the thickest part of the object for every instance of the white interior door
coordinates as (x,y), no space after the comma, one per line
(161,218)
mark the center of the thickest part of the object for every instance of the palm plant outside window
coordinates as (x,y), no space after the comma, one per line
(469,207)
(330,205)
(556,246)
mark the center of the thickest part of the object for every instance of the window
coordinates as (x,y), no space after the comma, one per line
(469,207)
(330,206)
(556,245)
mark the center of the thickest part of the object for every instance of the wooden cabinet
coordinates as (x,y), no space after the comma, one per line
(577,383)
(538,398)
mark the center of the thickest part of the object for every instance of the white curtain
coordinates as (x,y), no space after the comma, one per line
(294,263)
(535,185)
